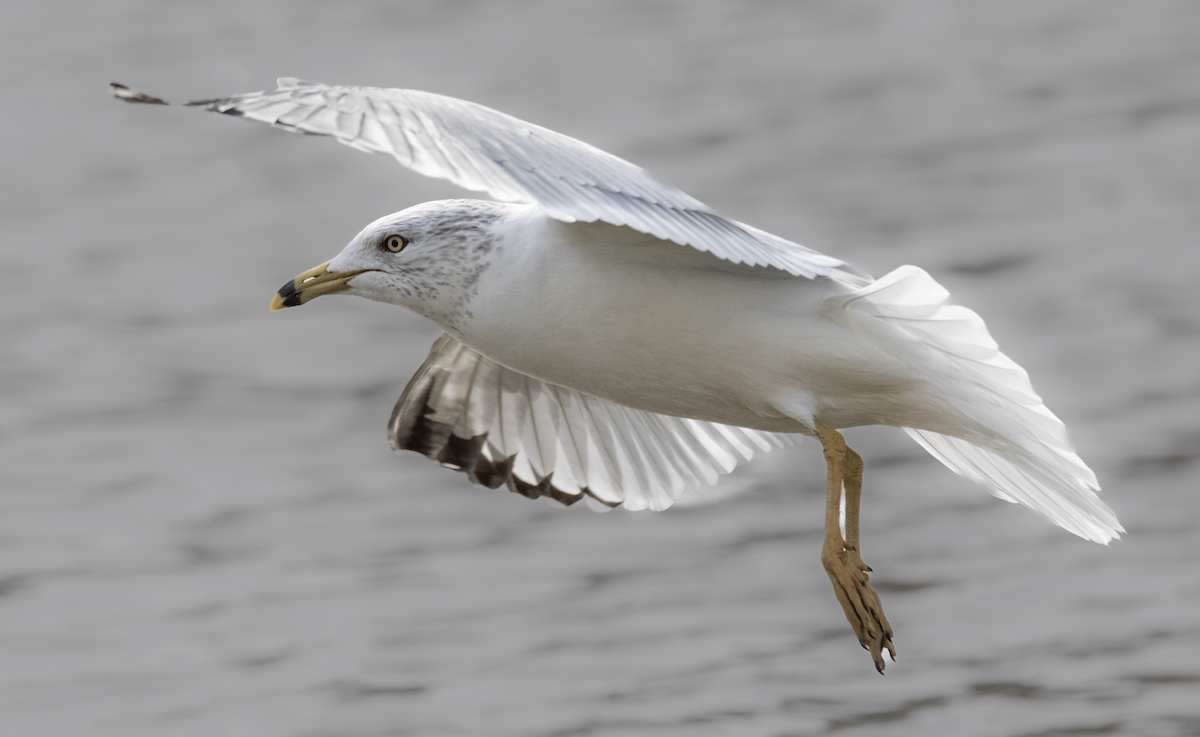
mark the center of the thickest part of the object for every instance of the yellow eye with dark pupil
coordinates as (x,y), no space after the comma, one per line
(395,243)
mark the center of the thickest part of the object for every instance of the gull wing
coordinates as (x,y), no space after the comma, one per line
(487,151)
(503,428)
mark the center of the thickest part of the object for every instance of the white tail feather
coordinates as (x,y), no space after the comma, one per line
(1023,454)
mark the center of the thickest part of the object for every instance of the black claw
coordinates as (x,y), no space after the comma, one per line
(870,569)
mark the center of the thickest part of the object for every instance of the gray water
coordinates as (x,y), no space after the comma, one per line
(203,532)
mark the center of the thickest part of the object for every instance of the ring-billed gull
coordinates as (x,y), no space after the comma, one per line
(609,338)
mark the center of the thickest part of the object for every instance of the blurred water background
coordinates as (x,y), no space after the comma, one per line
(203,532)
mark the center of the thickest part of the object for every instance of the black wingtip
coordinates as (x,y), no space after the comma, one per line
(123,93)
(210,102)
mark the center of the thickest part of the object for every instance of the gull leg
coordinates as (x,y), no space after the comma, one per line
(840,553)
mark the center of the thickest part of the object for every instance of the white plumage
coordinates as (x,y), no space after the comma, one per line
(1025,455)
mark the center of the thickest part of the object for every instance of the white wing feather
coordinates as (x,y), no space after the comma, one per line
(503,428)
(483,150)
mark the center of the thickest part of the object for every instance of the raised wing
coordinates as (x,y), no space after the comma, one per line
(487,151)
(503,428)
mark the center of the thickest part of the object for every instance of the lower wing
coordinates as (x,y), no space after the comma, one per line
(503,428)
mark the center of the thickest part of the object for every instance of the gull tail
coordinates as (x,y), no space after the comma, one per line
(1011,444)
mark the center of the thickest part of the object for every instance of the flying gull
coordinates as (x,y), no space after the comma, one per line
(609,338)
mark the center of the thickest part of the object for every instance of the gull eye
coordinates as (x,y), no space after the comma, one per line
(395,243)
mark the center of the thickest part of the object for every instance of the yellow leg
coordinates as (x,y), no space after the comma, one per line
(840,554)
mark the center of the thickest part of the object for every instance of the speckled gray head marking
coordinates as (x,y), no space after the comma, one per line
(435,266)
(463,235)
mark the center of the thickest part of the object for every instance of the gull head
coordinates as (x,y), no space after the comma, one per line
(427,258)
